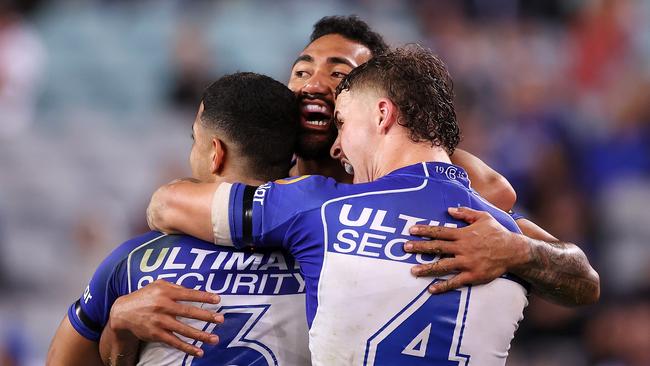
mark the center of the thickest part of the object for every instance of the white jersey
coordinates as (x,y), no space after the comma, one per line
(363,305)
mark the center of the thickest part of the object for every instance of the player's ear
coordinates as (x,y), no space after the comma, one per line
(218,156)
(387,115)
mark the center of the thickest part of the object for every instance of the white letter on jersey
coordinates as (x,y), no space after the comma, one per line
(200,256)
(343,239)
(410,221)
(169,264)
(418,346)
(275,260)
(362,220)
(379,220)
(145,267)
(239,282)
(87,295)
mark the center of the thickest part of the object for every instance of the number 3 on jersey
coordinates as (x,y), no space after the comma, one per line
(427,331)
(234,347)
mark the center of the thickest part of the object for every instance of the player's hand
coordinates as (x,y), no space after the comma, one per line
(482,251)
(150,314)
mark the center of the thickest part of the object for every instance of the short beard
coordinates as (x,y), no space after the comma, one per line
(315,150)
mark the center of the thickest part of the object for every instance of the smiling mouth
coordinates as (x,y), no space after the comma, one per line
(316,115)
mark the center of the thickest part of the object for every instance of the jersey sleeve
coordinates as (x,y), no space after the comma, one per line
(264,216)
(89,314)
(516,215)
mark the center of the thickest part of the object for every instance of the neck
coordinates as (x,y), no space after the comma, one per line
(237,174)
(327,167)
(396,153)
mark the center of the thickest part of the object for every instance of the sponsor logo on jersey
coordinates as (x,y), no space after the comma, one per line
(375,233)
(217,271)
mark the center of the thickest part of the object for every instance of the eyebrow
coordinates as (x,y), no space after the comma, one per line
(330,60)
(340,60)
(306,58)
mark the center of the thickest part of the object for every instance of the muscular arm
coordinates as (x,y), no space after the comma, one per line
(485,250)
(486,181)
(183,206)
(69,348)
(118,348)
(559,272)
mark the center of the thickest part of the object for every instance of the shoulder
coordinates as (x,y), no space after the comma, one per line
(303,191)
(504,218)
(113,265)
(123,250)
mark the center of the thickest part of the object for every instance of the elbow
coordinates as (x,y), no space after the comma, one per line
(160,209)
(504,195)
(592,296)
(589,293)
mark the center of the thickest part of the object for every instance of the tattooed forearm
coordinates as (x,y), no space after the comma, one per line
(560,272)
(121,360)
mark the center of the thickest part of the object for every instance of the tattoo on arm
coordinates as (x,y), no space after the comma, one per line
(121,360)
(560,272)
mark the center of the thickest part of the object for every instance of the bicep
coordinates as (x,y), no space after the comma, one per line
(68,347)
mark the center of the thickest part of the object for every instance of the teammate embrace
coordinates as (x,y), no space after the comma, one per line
(397,132)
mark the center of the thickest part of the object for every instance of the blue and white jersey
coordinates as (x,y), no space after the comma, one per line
(363,305)
(262,299)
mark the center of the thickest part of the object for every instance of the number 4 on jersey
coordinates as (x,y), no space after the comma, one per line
(427,331)
(418,346)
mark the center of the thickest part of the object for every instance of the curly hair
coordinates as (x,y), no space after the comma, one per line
(418,83)
(352,28)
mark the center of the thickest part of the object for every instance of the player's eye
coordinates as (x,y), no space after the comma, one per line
(339,75)
(301,74)
(192,136)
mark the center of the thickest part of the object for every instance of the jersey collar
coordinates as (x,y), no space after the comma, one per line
(435,170)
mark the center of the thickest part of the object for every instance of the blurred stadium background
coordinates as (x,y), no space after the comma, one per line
(97,99)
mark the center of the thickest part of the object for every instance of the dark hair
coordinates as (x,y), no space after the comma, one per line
(259,116)
(352,28)
(418,82)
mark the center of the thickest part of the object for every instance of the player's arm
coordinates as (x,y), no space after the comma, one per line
(223,213)
(69,348)
(150,314)
(486,181)
(558,271)
(76,340)
(183,206)
(118,348)
(484,250)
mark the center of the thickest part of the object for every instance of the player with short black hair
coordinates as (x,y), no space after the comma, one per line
(352,28)
(262,129)
(260,294)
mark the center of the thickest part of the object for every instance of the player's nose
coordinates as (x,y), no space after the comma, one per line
(336,151)
(316,85)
